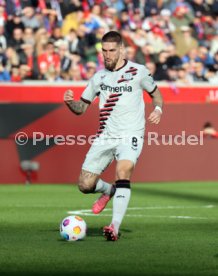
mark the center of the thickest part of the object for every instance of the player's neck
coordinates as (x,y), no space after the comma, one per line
(120,64)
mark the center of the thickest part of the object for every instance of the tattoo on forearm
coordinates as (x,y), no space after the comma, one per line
(76,107)
(158,102)
(157,99)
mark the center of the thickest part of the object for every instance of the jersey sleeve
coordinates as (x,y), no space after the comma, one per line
(147,82)
(89,93)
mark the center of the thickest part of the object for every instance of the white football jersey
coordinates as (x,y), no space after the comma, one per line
(121,103)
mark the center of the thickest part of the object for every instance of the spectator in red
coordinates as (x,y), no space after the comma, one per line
(15,73)
(47,59)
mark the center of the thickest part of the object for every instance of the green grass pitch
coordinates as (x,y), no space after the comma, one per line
(169,229)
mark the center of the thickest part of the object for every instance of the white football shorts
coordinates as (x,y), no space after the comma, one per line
(103,151)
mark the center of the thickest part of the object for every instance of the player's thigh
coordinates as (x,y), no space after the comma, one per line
(99,156)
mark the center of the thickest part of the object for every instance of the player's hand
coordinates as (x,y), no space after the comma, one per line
(68,96)
(154,117)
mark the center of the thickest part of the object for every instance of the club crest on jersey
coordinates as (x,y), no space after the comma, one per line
(127,76)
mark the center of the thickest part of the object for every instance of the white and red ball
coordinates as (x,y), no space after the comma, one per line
(73,228)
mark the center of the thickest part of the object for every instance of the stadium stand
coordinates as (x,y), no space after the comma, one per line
(57,40)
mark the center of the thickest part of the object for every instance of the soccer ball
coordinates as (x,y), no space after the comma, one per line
(73,228)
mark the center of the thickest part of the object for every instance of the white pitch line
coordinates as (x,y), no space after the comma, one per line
(167,207)
(172,217)
(152,208)
(133,215)
(88,212)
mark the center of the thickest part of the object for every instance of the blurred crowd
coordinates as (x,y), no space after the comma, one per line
(59,40)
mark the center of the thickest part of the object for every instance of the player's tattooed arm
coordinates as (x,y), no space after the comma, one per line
(157,101)
(77,107)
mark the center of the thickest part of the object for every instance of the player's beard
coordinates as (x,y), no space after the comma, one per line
(111,65)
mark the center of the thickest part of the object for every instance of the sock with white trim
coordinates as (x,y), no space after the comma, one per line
(103,187)
(120,202)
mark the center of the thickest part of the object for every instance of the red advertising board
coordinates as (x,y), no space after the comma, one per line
(31,108)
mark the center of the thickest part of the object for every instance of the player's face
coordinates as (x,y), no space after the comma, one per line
(111,53)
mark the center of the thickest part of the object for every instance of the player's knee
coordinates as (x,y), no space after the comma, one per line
(86,187)
(124,173)
(124,169)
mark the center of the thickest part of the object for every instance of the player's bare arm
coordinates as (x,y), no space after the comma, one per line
(157,101)
(77,107)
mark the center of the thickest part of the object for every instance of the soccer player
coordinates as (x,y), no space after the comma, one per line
(120,89)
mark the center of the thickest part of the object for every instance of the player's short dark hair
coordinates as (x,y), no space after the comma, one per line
(112,36)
